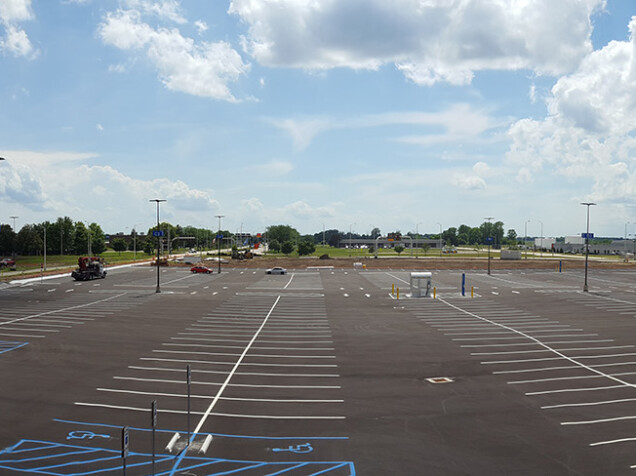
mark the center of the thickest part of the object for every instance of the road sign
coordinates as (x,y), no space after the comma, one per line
(157,233)
(124,442)
(219,236)
(153,418)
(589,236)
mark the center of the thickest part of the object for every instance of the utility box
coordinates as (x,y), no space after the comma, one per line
(421,284)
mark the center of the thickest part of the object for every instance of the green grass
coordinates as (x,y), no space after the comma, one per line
(109,256)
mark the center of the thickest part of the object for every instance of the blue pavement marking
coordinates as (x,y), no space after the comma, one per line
(216,435)
(6,346)
(55,459)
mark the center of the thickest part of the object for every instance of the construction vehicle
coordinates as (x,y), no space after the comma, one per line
(242,254)
(89,268)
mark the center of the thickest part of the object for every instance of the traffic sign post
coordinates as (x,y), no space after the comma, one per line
(188,382)
(124,446)
(153,423)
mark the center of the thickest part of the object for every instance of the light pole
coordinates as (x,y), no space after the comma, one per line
(587,242)
(44,246)
(525,238)
(440,239)
(626,239)
(134,230)
(158,233)
(350,226)
(489,240)
(218,241)
(541,241)
(14,217)
(417,238)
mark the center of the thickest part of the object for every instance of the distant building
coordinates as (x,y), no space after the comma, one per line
(574,240)
(544,243)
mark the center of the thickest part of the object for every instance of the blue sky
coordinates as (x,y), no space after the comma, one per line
(360,113)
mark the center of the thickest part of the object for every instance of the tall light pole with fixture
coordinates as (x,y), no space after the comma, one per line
(417,239)
(219,237)
(13,218)
(525,238)
(541,241)
(350,226)
(158,234)
(489,240)
(440,239)
(587,242)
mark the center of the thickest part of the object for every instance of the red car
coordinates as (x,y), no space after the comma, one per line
(201,269)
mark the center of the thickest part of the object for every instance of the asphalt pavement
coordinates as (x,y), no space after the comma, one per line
(319,371)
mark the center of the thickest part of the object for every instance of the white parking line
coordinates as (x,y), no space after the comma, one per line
(559,354)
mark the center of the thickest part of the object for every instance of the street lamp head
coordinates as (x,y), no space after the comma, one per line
(2,158)
(588,203)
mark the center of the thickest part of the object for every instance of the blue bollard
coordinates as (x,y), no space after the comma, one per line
(463,284)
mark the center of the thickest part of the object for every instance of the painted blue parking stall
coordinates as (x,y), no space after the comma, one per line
(7,346)
(65,459)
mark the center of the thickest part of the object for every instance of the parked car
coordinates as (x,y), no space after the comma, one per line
(7,263)
(277,270)
(201,269)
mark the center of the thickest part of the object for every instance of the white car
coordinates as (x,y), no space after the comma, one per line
(277,270)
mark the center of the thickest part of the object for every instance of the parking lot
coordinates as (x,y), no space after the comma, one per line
(320,371)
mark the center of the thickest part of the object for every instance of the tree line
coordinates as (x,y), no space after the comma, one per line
(65,236)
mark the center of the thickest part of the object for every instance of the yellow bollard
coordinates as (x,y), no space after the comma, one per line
(398,293)
(472,291)
(434,293)
(392,289)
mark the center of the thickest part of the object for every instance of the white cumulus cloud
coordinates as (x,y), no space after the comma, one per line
(15,39)
(588,133)
(48,185)
(196,68)
(429,41)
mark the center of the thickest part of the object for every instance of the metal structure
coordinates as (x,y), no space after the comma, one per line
(587,242)
(219,237)
(158,200)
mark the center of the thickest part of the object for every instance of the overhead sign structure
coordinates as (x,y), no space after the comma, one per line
(157,233)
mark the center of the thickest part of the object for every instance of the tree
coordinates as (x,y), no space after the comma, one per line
(274,245)
(375,233)
(119,245)
(287,247)
(282,233)
(511,237)
(492,230)
(463,235)
(80,238)
(149,246)
(398,249)
(425,248)
(474,236)
(306,247)
(450,236)
(98,240)
(7,239)
(29,240)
